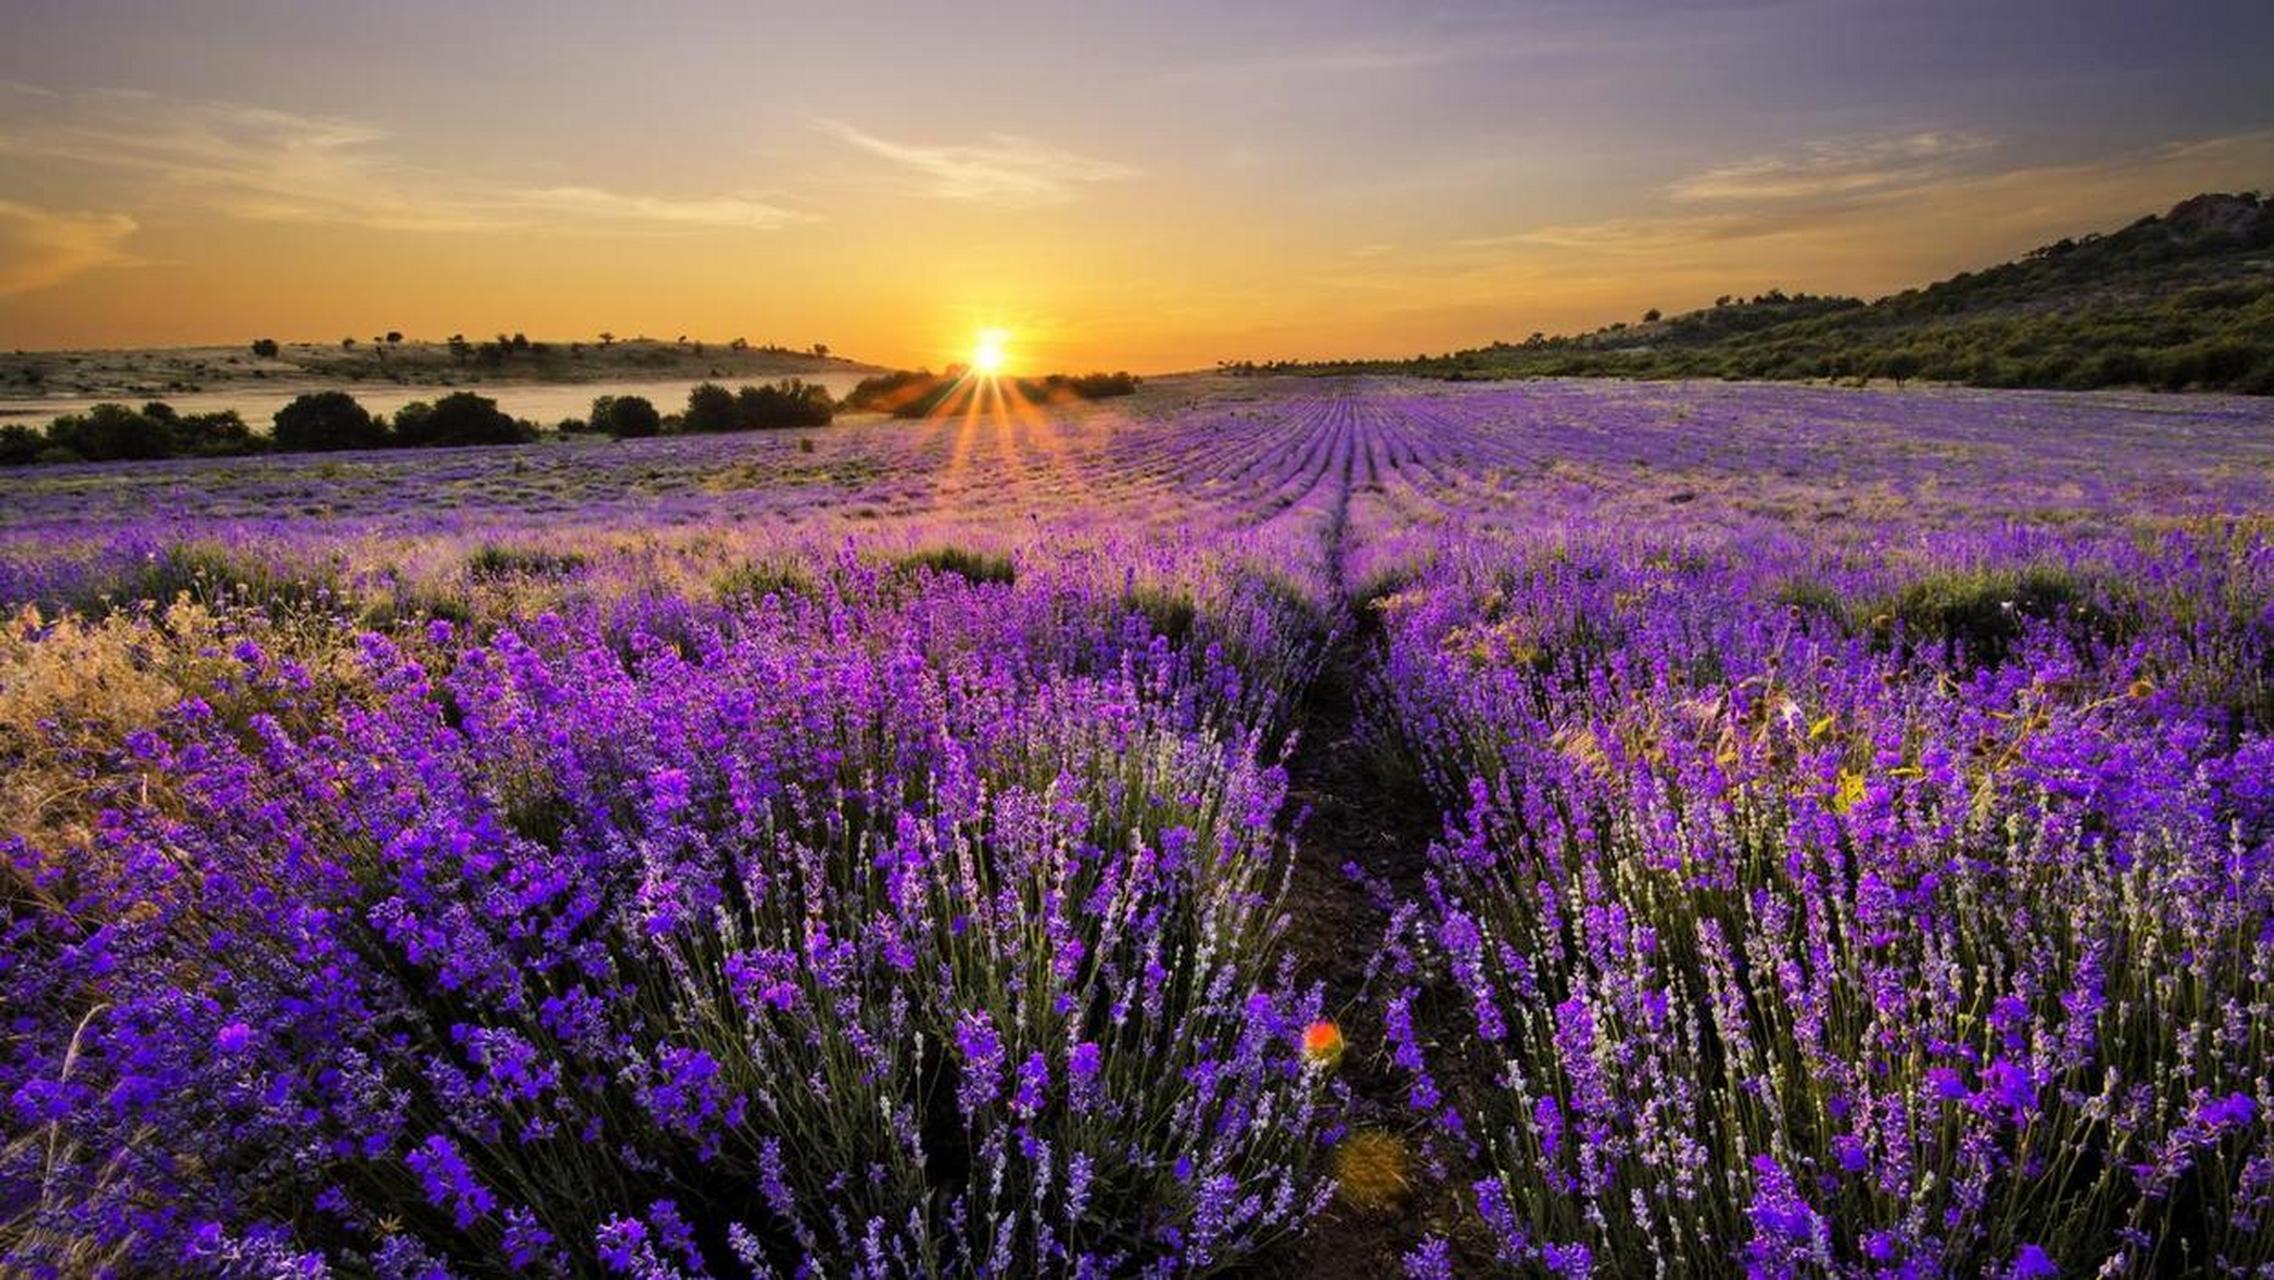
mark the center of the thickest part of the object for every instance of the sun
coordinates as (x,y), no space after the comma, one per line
(988,351)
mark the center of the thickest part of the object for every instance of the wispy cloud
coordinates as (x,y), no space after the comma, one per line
(41,247)
(1335,59)
(1004,169)
(257,163)
(1834,167)
(1862,239)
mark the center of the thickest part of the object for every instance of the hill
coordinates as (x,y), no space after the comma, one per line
(2181,301)
(411,362)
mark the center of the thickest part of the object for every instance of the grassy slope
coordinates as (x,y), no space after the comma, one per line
(154,373)
(2178,301)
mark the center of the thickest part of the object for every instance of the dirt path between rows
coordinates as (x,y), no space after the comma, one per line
(1362,835)
(1353,818)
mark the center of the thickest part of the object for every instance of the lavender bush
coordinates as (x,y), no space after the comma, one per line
(869,852)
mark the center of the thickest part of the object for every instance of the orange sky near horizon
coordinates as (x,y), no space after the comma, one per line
(1353,180)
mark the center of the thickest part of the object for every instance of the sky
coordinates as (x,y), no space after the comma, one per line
(1152,186)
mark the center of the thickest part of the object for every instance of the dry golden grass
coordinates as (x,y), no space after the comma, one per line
(1373,1171)
(74,685)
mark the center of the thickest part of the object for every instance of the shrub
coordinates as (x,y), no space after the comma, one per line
(327,420)
(710,408)
(789,403)
(1978,615)
(461,418)
(112,432)
(894,391)
(971,566)
(20,445)
(212,435)
(493,562)
(216,577)
(761,578)
(565,954)
(626,417)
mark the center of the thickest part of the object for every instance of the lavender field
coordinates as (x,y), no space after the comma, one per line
(1272,827)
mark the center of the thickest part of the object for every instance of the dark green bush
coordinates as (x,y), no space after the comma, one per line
(626,417)
(971,566)
(461,418)
(761,578)
(110,432)
(492,563)
(710,408)
(327,420)
(20,445)
(1978,615)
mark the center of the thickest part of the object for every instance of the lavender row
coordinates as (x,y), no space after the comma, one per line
(899,928)
(1807,912)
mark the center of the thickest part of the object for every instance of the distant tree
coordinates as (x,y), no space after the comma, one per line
(789,403)
(710,407)
(459,347)
(904,392)
(739,344)
(212,434)
(626,417)
(347,344)
(110,432)
(821,349)
(1650,316)
(461,418)
(394,337)
(1899,365)
(325,420)
(265,348)
(20,445)
(607,339)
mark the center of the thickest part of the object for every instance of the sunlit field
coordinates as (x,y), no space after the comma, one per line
(1262,827)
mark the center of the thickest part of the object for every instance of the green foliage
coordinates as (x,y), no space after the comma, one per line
(626,417)
(1980,614)
(1814,600)
(891,392)
(493,563)
(461,418)
(761,578)
(213,575)
(110,432)
(265,348)
(326,420)
(789,403)
(710,408)
(2178,302)
(1170,613)
(213,435)
(919,393)
(1081,386)
(971,566)
(20,445)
